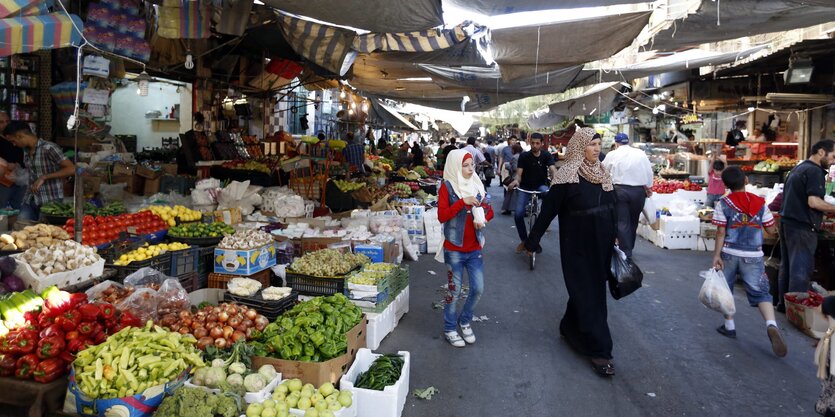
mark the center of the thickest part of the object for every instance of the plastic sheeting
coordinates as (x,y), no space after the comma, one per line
(740,18)
(372,15)
(528,50)
(490,79)
(499,7)
(389,116)
(598,99)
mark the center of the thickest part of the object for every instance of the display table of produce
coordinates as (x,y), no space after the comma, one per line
(34,397)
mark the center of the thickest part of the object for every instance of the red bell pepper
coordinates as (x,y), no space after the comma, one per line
(56,302)
(89,312)
(8,365)
(50,347)
(86,329)
(6,345)
(108,312)
(26,365)
(49,370)
(45,320)
(69,320)
(24,342)
(76,345)
(52,330)
(98,337)
(67,358)
(128,320)
(77,299)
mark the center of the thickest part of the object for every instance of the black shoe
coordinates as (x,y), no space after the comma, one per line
(725,332)
(506,213)
(781,308)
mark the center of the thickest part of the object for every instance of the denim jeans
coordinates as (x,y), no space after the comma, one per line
(797,259)
(522,200)
(752,272)
(11,196)
(458,262)
(712,199)
(30,211)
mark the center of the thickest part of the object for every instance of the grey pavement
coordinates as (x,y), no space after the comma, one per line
(670,360)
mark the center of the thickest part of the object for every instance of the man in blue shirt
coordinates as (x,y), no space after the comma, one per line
(354,153)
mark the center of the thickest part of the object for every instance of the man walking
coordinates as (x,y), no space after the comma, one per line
(505,154)
(800,219)
(11,157)
(47,167)
(632,176)
(531,175)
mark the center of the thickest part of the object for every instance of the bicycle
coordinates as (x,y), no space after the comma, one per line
(532,213)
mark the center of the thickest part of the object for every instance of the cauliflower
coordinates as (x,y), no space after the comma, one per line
(268,372)
(275,293)
(245,287)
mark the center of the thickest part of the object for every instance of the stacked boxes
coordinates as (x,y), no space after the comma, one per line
(434,231)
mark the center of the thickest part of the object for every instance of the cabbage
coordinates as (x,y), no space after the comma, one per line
(7,265)
(199,377)
(14,283)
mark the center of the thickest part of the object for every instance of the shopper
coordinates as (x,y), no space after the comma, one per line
(478,156)
(531,175)
(11,158)
(417,155)
(740,218)
(354,153)
(800,219)
(715,186)
(632,175)
(506,153)
(736,135)
(583,196)
(509,170)
(462,192)
(46,166)
(449,148)
(403,156)
(440,156)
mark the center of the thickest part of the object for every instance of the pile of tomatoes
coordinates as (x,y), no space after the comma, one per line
(96,231)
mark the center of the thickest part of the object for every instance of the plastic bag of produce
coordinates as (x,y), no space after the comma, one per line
(100,290)
(679,207)
(624,276)
(142,303)
(172,297)
(715,293)
(145,277)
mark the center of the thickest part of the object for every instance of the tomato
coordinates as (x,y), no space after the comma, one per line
(71,222)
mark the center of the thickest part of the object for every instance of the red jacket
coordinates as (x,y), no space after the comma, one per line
(446,212)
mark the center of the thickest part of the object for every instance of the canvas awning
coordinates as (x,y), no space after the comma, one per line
(389,116)
(499,7)
(594,100)
(326,46)
(371,15)
(490,79)
(32,33)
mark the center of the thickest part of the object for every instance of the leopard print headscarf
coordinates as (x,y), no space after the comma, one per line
(576,164)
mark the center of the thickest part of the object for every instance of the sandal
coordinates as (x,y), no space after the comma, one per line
(604,369)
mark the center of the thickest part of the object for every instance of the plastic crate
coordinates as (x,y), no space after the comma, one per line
(189,281)
(184,261)
(270,309)
(310,285)
(221,280)
(161,263)
(205,264)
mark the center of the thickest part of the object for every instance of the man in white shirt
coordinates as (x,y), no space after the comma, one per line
(632,177)
(478,156)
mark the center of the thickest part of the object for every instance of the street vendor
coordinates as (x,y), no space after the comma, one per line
(46,165)
(801,217)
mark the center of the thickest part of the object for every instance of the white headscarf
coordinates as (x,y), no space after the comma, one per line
(453,173)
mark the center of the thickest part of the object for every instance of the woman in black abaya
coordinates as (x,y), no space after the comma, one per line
(583,197)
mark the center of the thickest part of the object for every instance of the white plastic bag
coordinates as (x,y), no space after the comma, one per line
(679,207)
(715,293)
(649,211)
(478,216)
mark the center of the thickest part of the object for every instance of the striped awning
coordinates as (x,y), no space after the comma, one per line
(8,7)
(33,33)
(326,46)
(419,41)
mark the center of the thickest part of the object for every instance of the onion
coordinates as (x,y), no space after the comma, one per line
(204,341)
(234,321)
(216,332)
(196,325)
(186,322)
(238,335)
(174,327)
(223,317)
(220,343)
(227,331)
(200,332)
(261,322)
(185,330)
(248,332)
(212,325)
(212,318)
(232,309)
(216,310)
(251,314)
(241,328)
(185,315)
(248,323)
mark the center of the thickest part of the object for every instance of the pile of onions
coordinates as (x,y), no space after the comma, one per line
(220,326)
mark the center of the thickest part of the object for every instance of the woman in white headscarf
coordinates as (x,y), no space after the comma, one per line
(463,212)
(583,197)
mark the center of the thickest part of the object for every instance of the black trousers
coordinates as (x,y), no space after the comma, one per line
(629,206)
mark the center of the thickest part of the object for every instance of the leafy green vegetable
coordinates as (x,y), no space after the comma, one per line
(196,402)
(384,371)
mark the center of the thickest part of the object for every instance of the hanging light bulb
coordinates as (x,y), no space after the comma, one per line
(364,107)
(353,105)
(351,112)
(144,81)
(189,61)
(342,94)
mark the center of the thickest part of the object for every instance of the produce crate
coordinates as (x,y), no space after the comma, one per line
(189,281)
(270,309)
(184,261)
(161,263)
(54,219)
(221,280)
(399,279)
(372,403)
(197,241)
(205,265)
(310,285)
(310,188)
(376,304)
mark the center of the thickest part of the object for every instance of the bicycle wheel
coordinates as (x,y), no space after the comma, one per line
(531,222)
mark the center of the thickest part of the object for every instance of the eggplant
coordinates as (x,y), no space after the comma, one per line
(13,283)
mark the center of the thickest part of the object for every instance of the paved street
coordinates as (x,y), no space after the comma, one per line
(669,359)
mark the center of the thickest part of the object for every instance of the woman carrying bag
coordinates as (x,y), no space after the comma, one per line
(583,196)
(463,211)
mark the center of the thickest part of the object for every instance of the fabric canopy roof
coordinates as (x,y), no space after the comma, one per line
(372,15)
(739,18)
(490,79)
(33,33)
(598,99)
(461,122)
(389,116)
(527,50)
(499,7)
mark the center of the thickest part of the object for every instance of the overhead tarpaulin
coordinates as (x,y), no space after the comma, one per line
(598,99)
(500,7)
(418,41)
(490,79)
(33,33)
(527,50)
(472,52)
(9,7)
(461,122)
(717,21)
(326,46)
(389,116)
(543,117)
(371,15)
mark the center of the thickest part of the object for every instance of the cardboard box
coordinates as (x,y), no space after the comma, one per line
(121,168)
(90,185)
(231,216)
(809,320)
(244,262)
(375,252)
(151,185)
(318,373)
(133,183)
(170,169)
(140,405)
(146,172)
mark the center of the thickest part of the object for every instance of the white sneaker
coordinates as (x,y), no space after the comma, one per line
(454,339)
(467,331)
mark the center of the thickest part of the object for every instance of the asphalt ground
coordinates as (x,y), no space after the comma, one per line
(670,360)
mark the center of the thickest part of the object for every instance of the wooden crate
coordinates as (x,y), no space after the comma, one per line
(221,280)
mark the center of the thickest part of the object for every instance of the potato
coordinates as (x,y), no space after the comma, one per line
(9,246)
(46,241)
(21,244)
(7,239)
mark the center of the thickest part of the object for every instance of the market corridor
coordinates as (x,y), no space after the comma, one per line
(669,359)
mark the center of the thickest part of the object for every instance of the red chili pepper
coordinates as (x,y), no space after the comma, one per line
(50,347)
(26,365)
(69,320)
(8,365)
(89,312)
(49,370)
(52,330)
(108,312)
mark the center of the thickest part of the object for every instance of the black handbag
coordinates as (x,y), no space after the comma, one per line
(624,276)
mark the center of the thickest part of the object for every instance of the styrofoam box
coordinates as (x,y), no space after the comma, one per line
(698,197)
(379,326)
(59,279)
(401,303)
(249,397)
(661,200)
(371,403)
(345,412)
(680,225)
(705,244)
(209,295)
(677,241)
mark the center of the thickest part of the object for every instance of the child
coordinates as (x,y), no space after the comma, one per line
(741,217)
(460,195)
(715,186)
